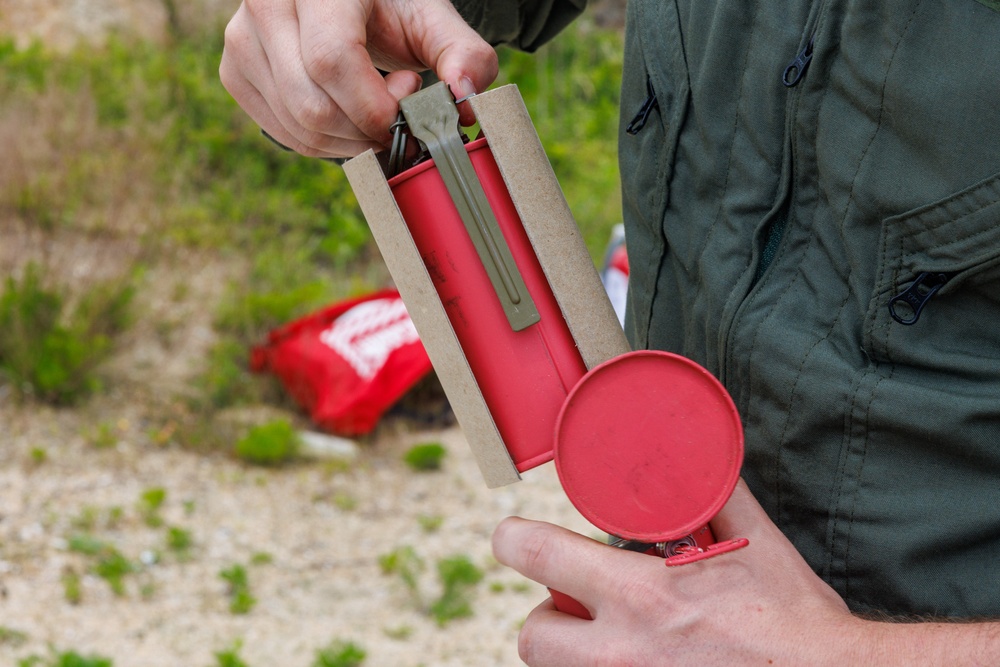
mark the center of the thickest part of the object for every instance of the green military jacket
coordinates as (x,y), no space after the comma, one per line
(812,211)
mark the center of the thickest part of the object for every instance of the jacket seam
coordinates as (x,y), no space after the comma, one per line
(861,467)
(732,144)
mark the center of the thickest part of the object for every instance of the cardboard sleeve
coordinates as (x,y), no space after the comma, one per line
(558,244)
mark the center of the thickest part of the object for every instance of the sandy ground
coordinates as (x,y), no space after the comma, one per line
(324,526)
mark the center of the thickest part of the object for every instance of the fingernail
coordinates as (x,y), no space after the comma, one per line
(466,87)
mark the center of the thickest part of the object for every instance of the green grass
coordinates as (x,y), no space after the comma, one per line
(459,577)
(425,456)
(50,350)
(179,541)
(106,561)
(12,637)
(571,89)
(230,657)
(241,600)
(65,659)
(150,502)
(340,654)
(270,444)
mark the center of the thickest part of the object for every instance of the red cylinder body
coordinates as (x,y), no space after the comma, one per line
(525,375)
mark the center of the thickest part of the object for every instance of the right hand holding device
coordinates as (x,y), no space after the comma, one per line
(310,72)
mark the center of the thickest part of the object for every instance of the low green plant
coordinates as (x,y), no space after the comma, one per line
(340,654)
(87,518)
(150,502)
(431,523)
(405,563)
(425,456)
(50,351)
(241,600)
(39,455)
(72,590)
(261,558)
(226,380)
(86,544)
(103,436)
(113,567)
(345,501)
(458,576)
(12,637)
(270,444)
(114,516)
(107,562)
(65,659)
(230,657)
(179,540)
(398,632)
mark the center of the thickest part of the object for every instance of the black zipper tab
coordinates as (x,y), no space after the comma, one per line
(905,307)
(639,122)
(797,68)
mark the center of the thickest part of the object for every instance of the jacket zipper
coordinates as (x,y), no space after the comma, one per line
(797,68)
(791,76)
(639,120)
(906,306)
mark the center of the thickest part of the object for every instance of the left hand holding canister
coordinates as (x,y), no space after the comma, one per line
(758,605)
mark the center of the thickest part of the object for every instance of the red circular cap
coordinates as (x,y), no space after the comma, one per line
(648,446)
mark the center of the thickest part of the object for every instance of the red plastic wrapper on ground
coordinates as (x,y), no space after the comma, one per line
(347,364)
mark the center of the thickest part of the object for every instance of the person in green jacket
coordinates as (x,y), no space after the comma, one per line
(812,206)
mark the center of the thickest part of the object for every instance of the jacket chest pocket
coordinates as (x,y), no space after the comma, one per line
(936,299)
(654,99)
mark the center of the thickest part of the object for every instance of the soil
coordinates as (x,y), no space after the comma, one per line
(322,524)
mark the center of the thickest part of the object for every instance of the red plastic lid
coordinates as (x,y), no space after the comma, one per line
(648,446)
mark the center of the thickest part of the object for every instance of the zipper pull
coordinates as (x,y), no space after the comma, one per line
(905,307)
(639,122)
(797,68)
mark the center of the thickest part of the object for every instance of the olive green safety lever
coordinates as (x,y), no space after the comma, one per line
(432,117)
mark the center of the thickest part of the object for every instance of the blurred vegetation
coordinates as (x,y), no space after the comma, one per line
(137,140)
(270,444)
(571,89)
(49,349)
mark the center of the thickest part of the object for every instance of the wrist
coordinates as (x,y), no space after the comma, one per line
(931,643)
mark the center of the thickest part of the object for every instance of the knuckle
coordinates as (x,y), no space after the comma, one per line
(325,62)
(487,55)
(233,48)
(238,34)
(315,113)
(256,8)
(536,550)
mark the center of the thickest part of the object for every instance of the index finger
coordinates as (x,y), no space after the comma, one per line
(334,43)
(566,561)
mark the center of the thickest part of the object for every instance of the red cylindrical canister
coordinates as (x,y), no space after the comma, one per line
(524,375)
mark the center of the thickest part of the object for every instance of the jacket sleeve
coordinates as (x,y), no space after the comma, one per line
(521,24)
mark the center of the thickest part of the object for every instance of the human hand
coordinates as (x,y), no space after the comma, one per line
(757,605)
(307,70)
